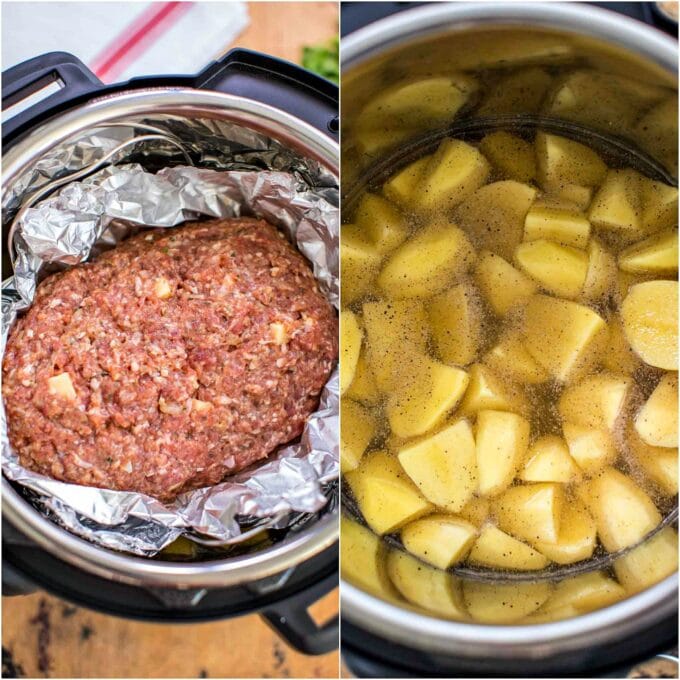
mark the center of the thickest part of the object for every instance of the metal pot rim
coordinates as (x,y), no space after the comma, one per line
(291,132)
(405,626)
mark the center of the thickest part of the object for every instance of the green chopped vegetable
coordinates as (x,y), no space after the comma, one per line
(323,59)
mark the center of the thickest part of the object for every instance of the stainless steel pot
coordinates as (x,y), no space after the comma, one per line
(413,41)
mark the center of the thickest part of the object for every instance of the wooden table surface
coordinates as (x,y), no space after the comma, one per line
(43,636)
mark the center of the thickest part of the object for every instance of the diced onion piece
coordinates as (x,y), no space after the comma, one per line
(61,385)
(162,288)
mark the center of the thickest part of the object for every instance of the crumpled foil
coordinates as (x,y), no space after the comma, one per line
(237,172)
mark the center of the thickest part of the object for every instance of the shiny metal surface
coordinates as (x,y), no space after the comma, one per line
(290,132)
(638,612)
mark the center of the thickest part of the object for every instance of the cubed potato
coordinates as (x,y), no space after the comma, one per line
(580,196)
(511,156)
(650,321)
(586,592)
(444,466)
(558,269)
(487,391)
(456,324)
(657,420)
(439,540)
(359,262)
(396,337)
(493,216)
(350,346)
(591,448)
(649,563)
(617,206)
(362,556)
(657,254)
(403,187)
(563,336)
(494,548)
(61,385)
(577,538)
(657,132)
(531,512)
(358,429)
(425,398)
(598,401)
(562,161)
(501,603)
(427,263)
(434,590)
(380,222)
(548,460)
(363,387)
(510,359)
(659,205)
(624,514)
(558,223)
(502,440)
(476,511)
(618,357)
(503,286)
(658,463)
(388,499)
(454,172)
(601,275)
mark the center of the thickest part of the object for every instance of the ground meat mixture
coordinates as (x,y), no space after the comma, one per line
(178,358)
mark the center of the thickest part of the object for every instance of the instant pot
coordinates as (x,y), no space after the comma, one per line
(380,639)
(300,111)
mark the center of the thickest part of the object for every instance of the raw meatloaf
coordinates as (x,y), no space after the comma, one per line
(171,361)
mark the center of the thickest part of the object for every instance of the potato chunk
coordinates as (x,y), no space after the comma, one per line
(548,460)
(381,223)
(494,215)
(358,429)
(598,401)
(531,512)
(456,324)
(363,387)
(558,269)
(623,512)
(601,275)
(494,548)
(350,344)
(434,590)
(444,466)
(425,398)
(510,359)
(362,556)
(503,286)
(388,499)
(359,262)
(657,254)
(486,391)
(561,335)
(403,187)
(658,463)
(558,223)
(650,562)
(577,536)
(454,172)
(617,205)
(659,205)
(562,161)
(501,444)
(586,592)
(618,357)
(650,322)
(427,263)
(657,420)
(439,540)
(510,155)
(500,603)
(591,448)
(62,386)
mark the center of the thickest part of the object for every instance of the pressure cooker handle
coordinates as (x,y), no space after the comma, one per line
(71,76)
(292,621)
(278,83)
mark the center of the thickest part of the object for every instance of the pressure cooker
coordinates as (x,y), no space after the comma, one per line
(379,638)
(300,111)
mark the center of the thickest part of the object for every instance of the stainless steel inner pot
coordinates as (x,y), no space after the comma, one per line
(290,132)
(418,41)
